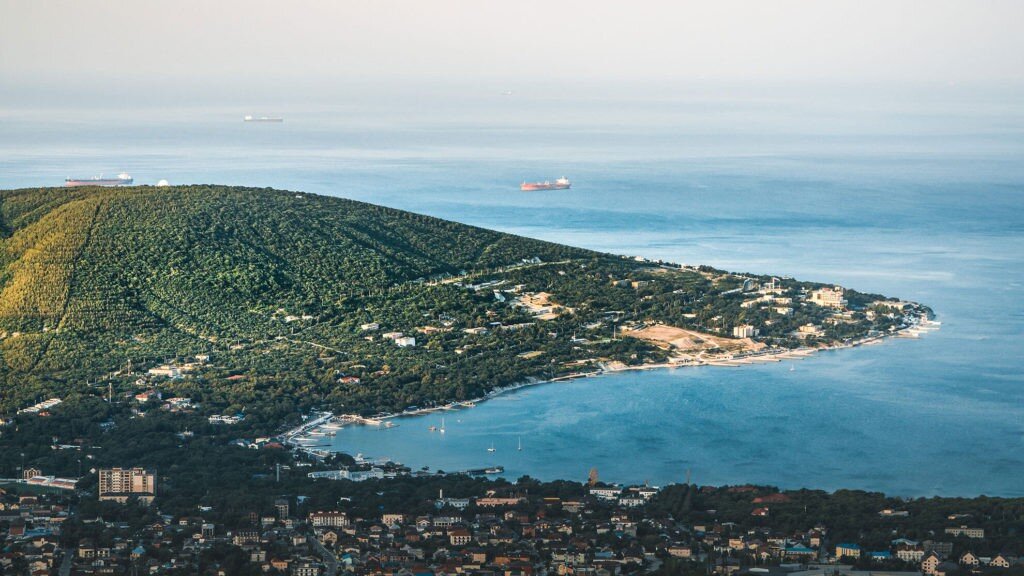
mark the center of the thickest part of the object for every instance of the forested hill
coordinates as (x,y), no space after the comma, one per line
(84,271)
(272,301)
(198,257)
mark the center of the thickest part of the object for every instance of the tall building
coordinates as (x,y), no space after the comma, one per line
(281,505)
(744,331)
(120,484)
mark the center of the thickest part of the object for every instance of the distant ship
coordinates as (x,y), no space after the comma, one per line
(560,184)
(121,180)
(262,119)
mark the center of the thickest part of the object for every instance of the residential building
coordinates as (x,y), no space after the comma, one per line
(965,531)
(120,484)
(744,331)
(329,519)
(848,550)
(930,563)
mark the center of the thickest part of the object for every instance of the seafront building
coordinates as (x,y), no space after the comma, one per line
(829,297)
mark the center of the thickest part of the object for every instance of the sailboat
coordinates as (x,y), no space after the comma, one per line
(491,449)
(520,447)
(442,425)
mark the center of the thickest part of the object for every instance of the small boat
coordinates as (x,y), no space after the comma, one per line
(442,426)
(491,449)
(791,369)
(494,470)
(432,428)
(520,447)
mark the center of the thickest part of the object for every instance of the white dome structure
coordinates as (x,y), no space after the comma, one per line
(163,183)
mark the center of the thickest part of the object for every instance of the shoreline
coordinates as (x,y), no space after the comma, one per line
(732,361)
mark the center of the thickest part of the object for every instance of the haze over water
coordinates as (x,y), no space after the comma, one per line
(918,196)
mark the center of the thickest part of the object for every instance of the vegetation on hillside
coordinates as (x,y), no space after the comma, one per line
(98,285)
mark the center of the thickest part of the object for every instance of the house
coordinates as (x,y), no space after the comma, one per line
(143,397)
(909,551)
(166,371)
(799,552)
(405,342)
(930,563)
(1003,561)
(808,330)
(969,559)
(680,551)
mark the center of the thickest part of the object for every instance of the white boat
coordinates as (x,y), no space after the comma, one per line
(520,446)
(442,426)
(491,449)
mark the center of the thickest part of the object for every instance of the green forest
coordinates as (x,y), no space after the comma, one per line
(273,290)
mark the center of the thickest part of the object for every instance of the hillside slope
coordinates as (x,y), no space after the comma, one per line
(261,296)
(98,268)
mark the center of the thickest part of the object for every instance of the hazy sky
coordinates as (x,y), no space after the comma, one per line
(226,42)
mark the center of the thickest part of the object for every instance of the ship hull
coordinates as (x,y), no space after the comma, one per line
(535,187)
(106,182)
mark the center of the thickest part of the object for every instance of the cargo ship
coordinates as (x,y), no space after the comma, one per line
(121,180)
(560,184)
(262,119)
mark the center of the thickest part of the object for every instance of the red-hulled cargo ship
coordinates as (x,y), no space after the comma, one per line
(560,184)
(121,180)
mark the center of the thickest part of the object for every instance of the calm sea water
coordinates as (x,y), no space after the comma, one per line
(921,199)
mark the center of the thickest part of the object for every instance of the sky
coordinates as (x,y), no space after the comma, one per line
(195,45)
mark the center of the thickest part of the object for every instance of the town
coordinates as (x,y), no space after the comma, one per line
(458,525)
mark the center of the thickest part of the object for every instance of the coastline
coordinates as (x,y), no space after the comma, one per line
(733,361)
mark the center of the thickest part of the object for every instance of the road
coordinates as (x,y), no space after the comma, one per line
(65,565)
(327,555)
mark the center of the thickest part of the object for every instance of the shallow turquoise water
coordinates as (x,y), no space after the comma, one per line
(923,202)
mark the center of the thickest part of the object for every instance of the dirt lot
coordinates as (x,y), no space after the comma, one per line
(688,340)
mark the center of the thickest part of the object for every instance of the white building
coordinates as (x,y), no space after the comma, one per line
(329,519)
(744,331)
(829,297)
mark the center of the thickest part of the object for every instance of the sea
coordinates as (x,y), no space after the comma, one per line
(915,194)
